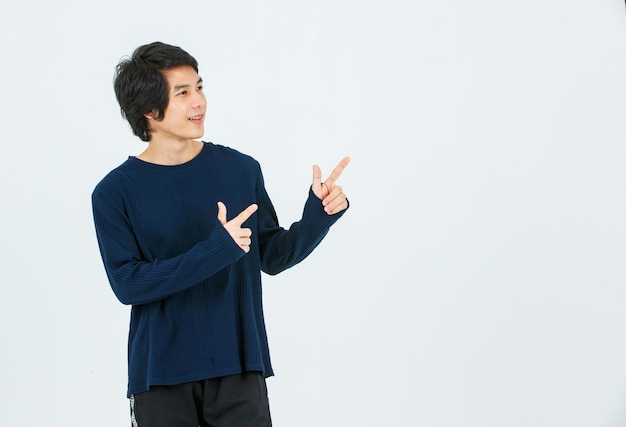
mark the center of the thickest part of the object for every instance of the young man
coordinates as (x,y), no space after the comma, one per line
(185,229)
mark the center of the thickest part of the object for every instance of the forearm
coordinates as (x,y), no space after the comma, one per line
(282,249)
(136,281)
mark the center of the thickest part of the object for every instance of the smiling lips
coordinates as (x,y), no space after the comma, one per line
(196,119)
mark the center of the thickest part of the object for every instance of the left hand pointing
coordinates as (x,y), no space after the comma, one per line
(328,192)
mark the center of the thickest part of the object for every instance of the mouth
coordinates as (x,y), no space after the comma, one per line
(196,119)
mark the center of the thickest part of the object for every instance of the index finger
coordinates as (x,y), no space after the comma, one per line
(336,173)
(245,214)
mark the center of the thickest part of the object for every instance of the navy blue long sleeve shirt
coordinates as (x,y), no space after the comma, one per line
(196,298)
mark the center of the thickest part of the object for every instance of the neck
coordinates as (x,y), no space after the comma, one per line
(170,153)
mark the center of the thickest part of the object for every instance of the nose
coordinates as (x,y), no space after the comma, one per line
(199,99)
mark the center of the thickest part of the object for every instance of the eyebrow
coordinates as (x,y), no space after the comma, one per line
(178,87)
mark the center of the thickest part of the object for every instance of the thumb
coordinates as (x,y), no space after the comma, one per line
(317,181)
(221,212)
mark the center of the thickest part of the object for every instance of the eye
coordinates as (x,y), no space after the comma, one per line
(182,92)
(200,88)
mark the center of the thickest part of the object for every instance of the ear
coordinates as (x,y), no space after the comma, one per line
(151,115)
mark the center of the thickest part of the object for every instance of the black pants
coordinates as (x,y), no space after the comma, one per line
(232,401)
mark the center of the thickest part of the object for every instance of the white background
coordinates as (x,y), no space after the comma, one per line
(479,276)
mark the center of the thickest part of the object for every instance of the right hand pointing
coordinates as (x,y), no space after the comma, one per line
(241,236)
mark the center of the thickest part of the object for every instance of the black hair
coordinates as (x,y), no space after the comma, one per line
(140,86)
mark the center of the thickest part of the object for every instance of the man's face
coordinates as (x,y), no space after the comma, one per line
(183,117)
